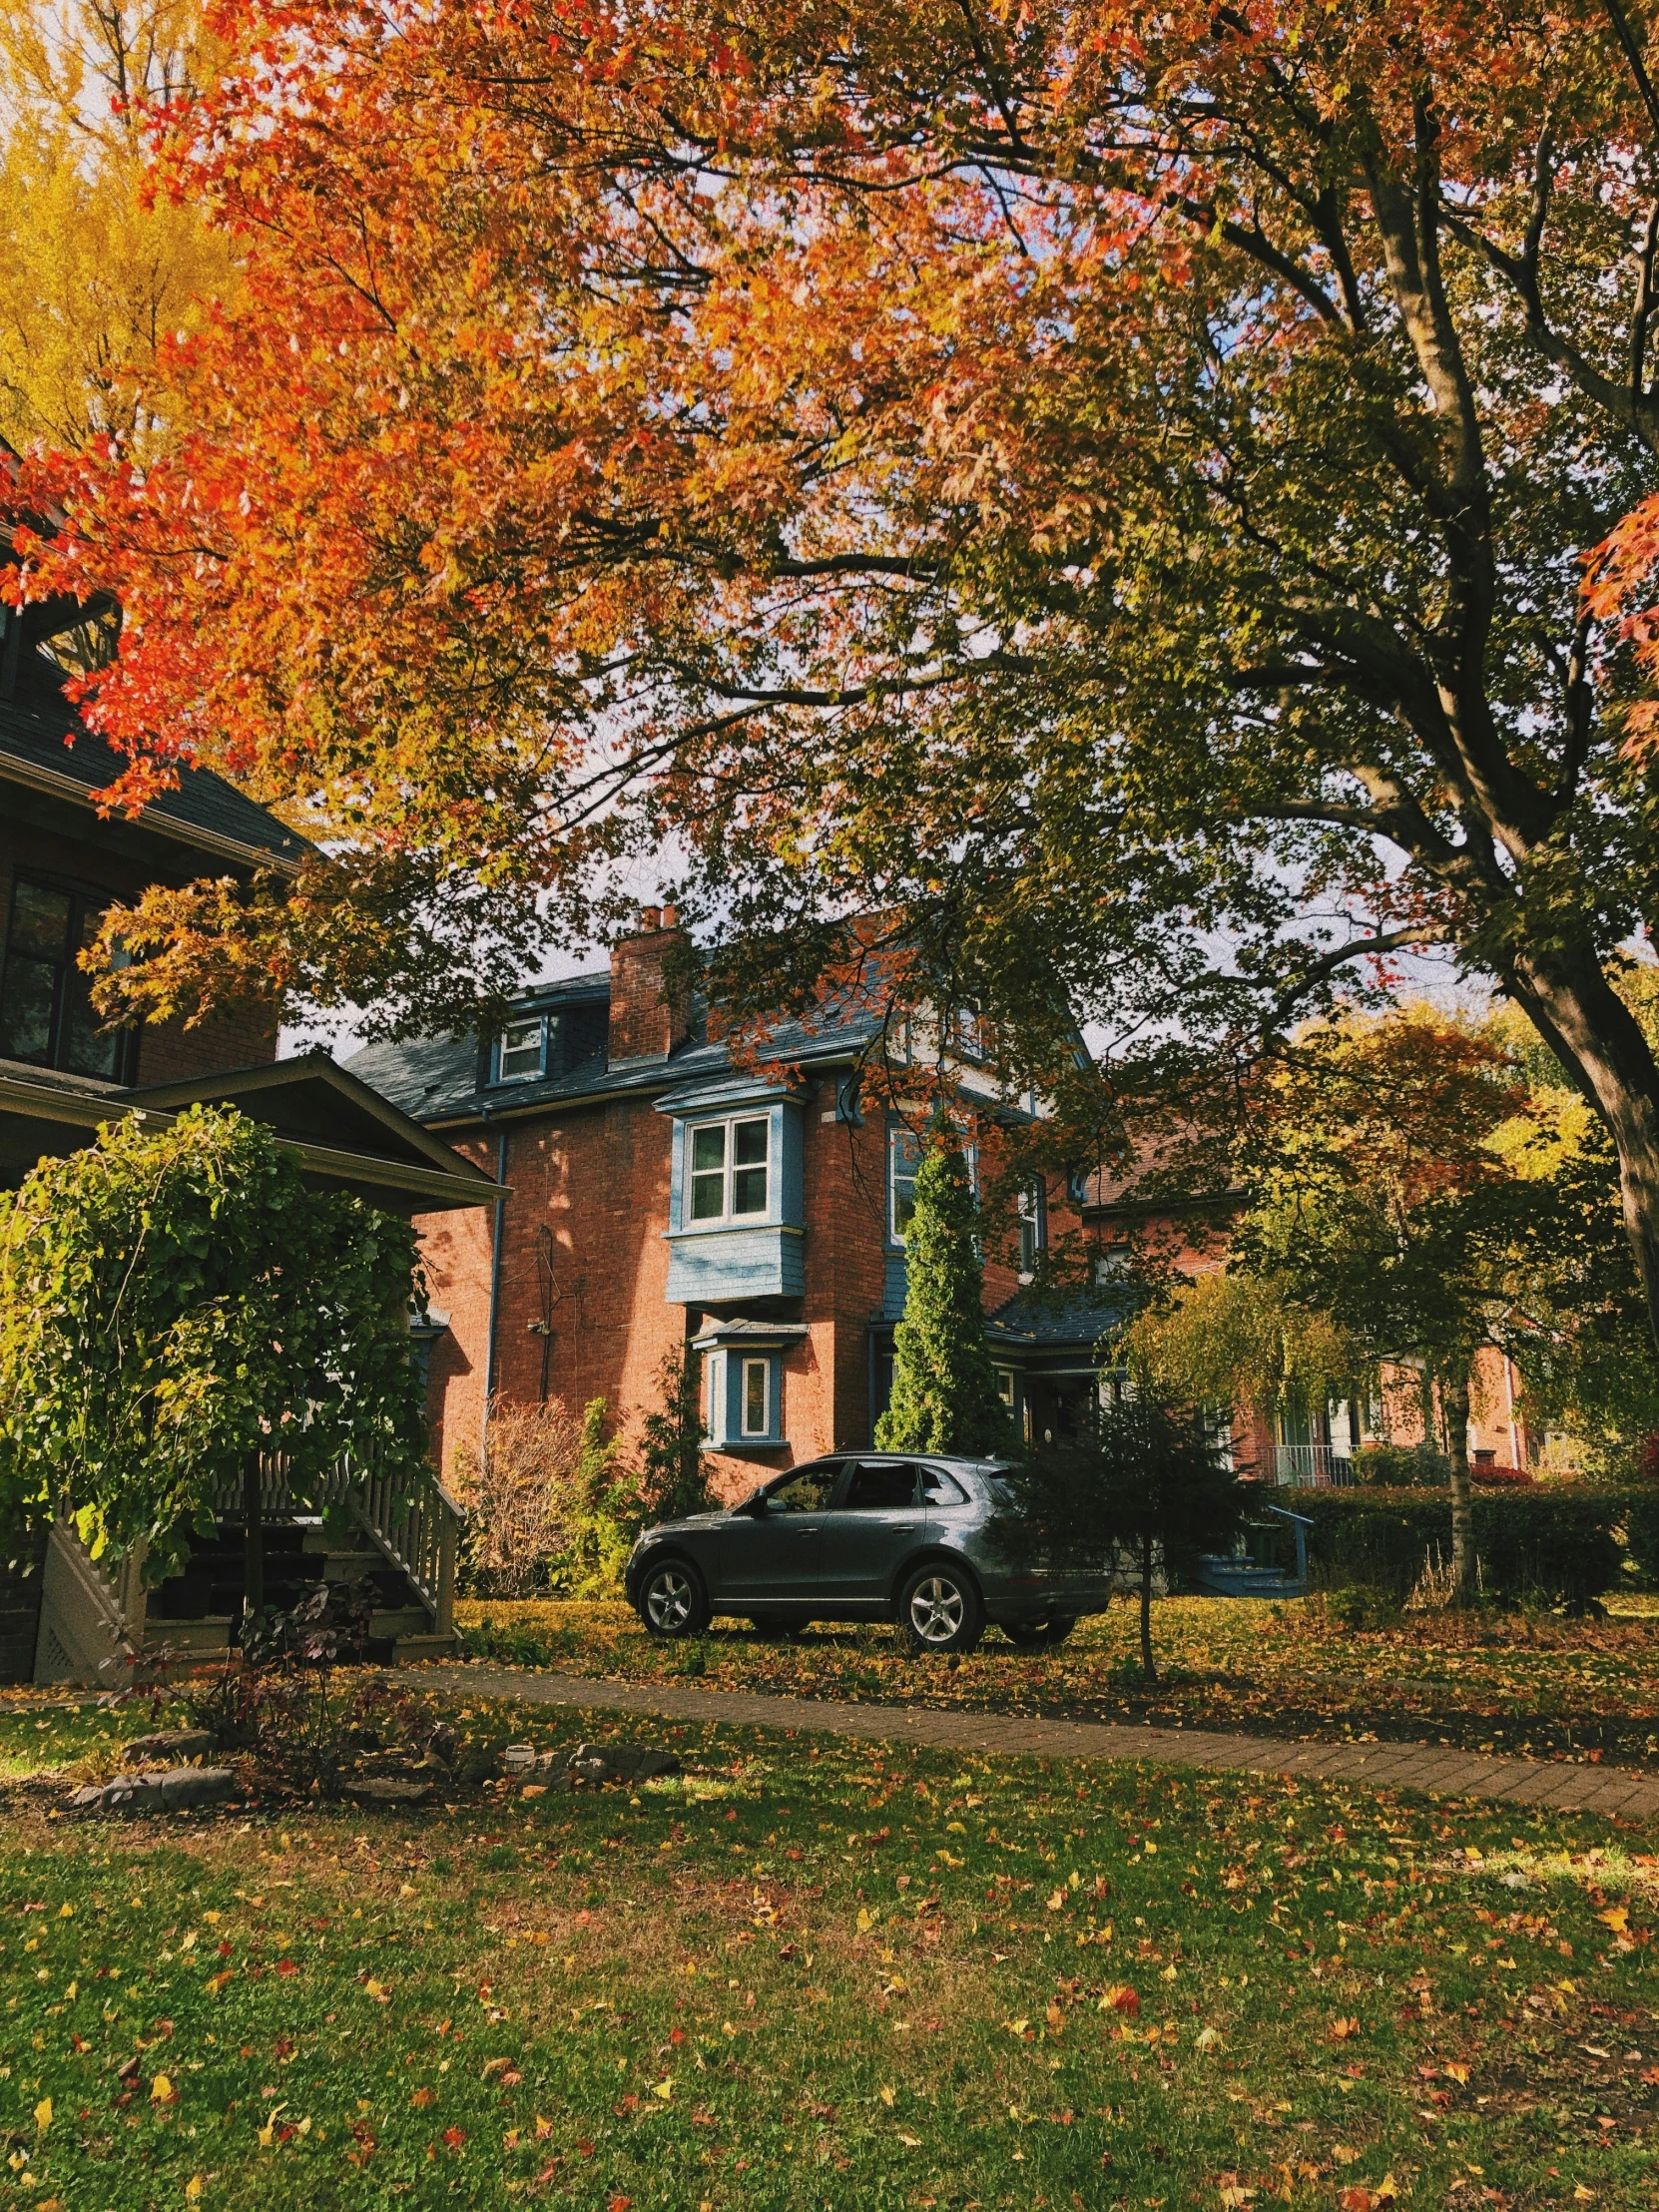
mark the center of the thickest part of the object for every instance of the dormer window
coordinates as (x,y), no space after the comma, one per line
(521,1053)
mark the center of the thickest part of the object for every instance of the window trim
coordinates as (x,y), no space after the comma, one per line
(547,1019)
(729,1170)
(899,1132)
(1032,1214)
(752,1364)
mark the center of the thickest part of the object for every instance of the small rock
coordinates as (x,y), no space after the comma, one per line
(621,1762)
(141,1796)
(385,1790)
(172,1745)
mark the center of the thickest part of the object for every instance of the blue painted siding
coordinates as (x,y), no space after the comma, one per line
(894,1285)
(710,1266)
(725,1399)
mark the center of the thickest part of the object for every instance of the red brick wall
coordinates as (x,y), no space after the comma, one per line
(168,1052)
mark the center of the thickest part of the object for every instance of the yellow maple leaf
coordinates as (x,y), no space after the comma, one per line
(43,2114)
(867,1919)
(1616,1916)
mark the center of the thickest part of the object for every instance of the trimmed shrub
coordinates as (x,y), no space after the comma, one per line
(1491,1476)
(1401,1468)
(1546,1542)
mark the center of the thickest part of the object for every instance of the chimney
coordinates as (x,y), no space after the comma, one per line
(647,1023)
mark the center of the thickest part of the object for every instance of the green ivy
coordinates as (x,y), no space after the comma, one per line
(174,1301)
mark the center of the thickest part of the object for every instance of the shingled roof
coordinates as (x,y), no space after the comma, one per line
(36,725)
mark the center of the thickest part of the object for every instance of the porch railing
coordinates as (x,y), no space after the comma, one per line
(1310,1467)
(416,1528)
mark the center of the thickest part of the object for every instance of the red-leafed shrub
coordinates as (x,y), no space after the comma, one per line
(1497,1478)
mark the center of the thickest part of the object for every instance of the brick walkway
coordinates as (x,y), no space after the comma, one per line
(1426,1767)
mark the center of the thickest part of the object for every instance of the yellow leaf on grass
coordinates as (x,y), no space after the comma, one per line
(888,2094)
(194,2187)
(378,1992)
(1057,1901)
(867,1919)
(1616,1916)
(1016,2027)
(265,2134)
(162,2090)
(43,2114)
(664,2088)
(1581,2196)
(1455,2073)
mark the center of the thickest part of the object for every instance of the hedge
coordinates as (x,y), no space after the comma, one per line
(1558,1543)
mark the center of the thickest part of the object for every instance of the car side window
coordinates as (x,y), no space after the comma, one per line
(807,1491)
(939,1488)
(879,1484)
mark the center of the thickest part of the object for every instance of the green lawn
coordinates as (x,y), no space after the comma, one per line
(811,1975)
(1533,1687)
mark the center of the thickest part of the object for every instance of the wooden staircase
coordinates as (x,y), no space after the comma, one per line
(91,1621)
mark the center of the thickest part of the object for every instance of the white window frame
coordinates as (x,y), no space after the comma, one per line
(1032,1227)
(729,1170)
(1006,1387)
(898,1134)
(521,1022)
(748,1366)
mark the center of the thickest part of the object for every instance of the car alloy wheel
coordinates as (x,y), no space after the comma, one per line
(941,1610)
(672,1602)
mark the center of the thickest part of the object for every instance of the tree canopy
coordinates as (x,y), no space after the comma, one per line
(1106,492)
(174,1302)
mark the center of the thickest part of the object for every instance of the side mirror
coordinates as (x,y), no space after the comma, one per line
(754,1505)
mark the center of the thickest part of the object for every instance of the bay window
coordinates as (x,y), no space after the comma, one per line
(730,1169)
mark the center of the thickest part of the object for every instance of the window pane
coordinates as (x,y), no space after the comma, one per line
(749,1191)
(26,1011)
(707,1197)
(40,921)
(84,1049)
(806,1492)
(754,1378)
(903,1155)
(521,1049)
(707,1148)
(749,1143)
(877,1488)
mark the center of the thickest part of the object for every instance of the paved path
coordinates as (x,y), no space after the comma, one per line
(1429,1767)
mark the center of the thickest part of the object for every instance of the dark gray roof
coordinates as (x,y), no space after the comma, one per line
(204,811)
(435,1079)
(1041,1318)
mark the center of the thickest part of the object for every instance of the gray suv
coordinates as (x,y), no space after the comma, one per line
(862,1536)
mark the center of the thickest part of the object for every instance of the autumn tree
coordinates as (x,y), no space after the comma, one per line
(1085,486)
(94,265)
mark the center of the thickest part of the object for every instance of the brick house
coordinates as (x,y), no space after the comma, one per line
(662,1193)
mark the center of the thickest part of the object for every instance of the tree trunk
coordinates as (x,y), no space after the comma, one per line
(1149,1665)
(252,1540)
(1600,1043)
(1454,1400)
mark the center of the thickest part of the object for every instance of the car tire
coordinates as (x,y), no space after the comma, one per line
(775,1628)
(1040,1635)
(941,1609)
(672,1602)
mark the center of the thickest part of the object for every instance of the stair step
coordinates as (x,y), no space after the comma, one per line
(409,1651)
(211,1634)
(405,1620)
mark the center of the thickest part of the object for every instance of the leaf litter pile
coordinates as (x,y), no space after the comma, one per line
(811,1975)
(1529,1687)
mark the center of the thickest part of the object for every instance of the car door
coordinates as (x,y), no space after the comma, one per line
(769,1552)
(875,1522)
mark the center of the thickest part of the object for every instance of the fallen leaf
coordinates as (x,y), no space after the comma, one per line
(663,2088)
(1055,2017)
(1344,2031)
(162,2090)
(1455,2073)
(454,2137)
(888,2094)
(1121,1999)
(194,2187)
(378,1992)
(867,1919)
(1616,1916)
(43,2114)
(422,2098)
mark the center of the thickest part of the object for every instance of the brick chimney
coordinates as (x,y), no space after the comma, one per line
(647,1023)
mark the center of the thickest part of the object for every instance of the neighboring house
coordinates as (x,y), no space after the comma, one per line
(61,1075)
(663,1193)
(1316,1451)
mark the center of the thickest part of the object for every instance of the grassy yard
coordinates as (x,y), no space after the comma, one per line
(812,1974)
(1540,1687)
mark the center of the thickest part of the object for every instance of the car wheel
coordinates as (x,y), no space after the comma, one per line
(775,1628)
(672,1600)
(941,1609)
(1039,1634)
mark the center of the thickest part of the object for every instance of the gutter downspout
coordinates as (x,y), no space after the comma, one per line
(497,1238)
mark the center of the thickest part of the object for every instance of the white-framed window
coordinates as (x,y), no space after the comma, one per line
(755,1400)
(1031,1226)
(968,1034)
(729,1169)
(521,1055)
(1006,1387)
(904,1159)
